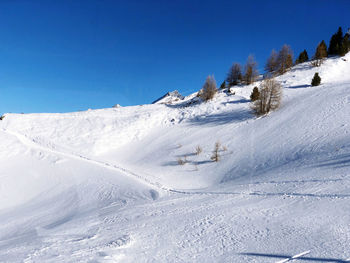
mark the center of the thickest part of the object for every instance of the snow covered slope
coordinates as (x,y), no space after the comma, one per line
(105,185)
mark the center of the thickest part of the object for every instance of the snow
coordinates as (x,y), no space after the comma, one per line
(105,185)
(169,98)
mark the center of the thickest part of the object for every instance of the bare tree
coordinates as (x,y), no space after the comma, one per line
(272,63)
(285,59)
(234,76)
(209,89)
(269,98)
(250,71)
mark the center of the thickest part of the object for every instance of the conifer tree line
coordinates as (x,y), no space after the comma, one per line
(339,43)
(278,63)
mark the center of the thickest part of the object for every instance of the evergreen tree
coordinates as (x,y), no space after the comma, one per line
(285,59)
(234,76)
(303,57)
(255,94)
(272,63)
(223,85)
(250,71)
(346,43)
(316,80)
(335,44)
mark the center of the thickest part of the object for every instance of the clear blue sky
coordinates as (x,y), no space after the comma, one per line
(61,56)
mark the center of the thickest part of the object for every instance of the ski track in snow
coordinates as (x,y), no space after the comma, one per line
(32,143)
(105,252)
(50,147)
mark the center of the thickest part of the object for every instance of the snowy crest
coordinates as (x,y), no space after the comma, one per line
(169,98)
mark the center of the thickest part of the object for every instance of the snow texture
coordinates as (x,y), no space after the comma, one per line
(105,185)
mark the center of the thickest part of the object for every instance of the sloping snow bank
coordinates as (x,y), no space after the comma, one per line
(150,139)
(105,185)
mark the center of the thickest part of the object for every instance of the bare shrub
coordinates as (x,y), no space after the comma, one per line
(181,161)
(209,89)
(270,97)
(198,150)
(316,62)
(216,156)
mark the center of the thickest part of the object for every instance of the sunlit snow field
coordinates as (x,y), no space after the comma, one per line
(105,185)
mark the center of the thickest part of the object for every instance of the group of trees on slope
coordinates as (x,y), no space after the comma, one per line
(268,96)
(339,45)
(235,75)
(281,62)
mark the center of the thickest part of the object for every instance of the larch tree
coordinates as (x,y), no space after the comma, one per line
(209,89)
(250,71)
(272,63)
(285,59)
(234,75)
(320,54)
(270,96)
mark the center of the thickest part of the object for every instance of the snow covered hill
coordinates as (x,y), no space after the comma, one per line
(169,98)
(105,185)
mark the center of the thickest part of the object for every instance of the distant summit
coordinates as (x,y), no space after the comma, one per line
(169,98)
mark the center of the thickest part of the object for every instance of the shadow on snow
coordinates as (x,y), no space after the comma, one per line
(299,87)
(222,118)
(338,161)
(304,258)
